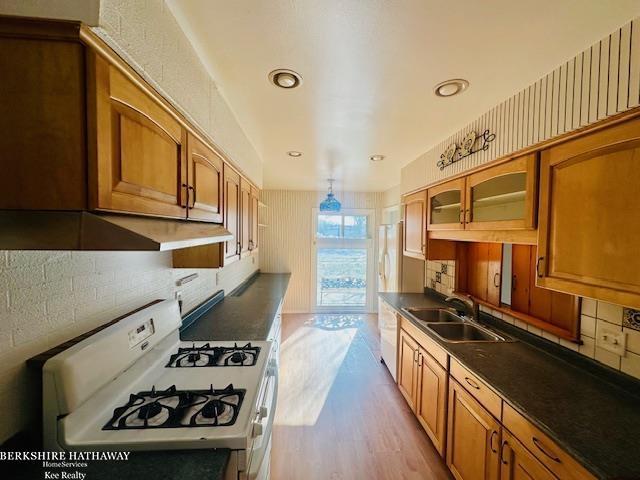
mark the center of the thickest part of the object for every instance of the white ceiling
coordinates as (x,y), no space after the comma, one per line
(369,67)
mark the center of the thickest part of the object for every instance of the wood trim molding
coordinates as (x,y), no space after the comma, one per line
(524,237)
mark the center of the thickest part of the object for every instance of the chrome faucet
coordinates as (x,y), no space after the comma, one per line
(471,306)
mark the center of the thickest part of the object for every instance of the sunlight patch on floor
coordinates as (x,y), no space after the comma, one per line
(323,340)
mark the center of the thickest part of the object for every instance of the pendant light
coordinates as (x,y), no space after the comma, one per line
(330,204)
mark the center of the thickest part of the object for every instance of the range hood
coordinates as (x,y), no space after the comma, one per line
(81,230)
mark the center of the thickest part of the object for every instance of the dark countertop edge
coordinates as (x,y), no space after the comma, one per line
(601,372)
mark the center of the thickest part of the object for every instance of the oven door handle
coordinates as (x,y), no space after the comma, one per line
(261,442)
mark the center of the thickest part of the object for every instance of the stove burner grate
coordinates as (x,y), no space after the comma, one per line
(172,408)
(208,356)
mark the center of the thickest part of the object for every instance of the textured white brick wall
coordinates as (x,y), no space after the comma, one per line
(49,297)
(148,36)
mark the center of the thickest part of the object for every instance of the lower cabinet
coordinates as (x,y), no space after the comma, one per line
(517,463)
(473,444)
(431,398)
(407,363)
(423,383)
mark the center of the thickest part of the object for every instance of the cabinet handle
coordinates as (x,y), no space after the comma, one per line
(540,259)
(193,204)
(514,280)
(503,447)
(461,217)
(420,359)
(472,383)
(496,280)
(493,434)
(238,248)
(415,356)
(467,215)
(540,446)
(184,185)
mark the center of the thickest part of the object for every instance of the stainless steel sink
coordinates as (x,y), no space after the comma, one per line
(464,332)
(433,315)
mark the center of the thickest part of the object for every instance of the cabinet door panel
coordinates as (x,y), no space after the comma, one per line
(539,298)
(589,185)
(517,463)
(503,197)
(245,216)
(477,281)
(431,406)
(232,213)
(253,240)
(521,272)
(205,181)
(494,270)
(140,149)
(473,438)
(414,224)
(445,206)
(407,352)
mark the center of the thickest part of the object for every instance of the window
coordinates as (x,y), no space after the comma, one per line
(342,226)
(343,261)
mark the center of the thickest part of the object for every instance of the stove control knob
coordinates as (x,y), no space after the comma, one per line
(257,429)
(264,411)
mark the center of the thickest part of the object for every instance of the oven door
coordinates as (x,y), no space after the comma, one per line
(260,454)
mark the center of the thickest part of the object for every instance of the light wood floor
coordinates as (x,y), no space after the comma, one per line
(340,416)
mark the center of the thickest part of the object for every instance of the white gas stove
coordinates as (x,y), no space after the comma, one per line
(136,386)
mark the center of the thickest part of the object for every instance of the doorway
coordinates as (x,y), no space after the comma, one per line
(342,269)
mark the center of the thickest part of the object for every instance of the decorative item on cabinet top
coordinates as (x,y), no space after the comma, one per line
(454,152)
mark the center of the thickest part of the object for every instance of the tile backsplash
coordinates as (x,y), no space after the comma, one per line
(49,297)
(594,316)
(441,276)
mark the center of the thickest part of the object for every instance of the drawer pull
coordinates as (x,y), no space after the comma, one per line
(472,383)
(504,446)
(540,446)
(493,434)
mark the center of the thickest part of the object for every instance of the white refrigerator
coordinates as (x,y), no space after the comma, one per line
(396,273)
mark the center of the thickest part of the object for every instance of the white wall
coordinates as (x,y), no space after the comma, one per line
(286,243)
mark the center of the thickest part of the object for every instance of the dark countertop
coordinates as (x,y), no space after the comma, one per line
(196,464)
(590,410)
(247,313)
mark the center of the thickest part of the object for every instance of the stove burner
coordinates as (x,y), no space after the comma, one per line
(208,356)
(213,408)
(238,357)
(173,408)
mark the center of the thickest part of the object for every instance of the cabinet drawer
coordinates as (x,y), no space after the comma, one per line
(479,389)
(544,449)
(432,348)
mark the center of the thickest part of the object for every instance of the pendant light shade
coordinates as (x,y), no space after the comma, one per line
(331,203)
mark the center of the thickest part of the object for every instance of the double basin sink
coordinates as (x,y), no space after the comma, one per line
(452,328)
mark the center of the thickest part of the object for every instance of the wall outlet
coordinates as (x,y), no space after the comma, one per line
(612,340)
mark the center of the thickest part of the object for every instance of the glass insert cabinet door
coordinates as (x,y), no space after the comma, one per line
(503,197)
(445,206)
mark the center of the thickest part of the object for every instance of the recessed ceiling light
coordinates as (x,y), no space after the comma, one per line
(293,153)
(451,87)
(376,158)
(284,78)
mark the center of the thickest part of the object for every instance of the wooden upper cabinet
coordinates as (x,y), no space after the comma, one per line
(473,435)
(138,148)
(415,233)
(205,181)
(445,203)
(431,398)
(481,265)
(589,220)
(232,213)
(255,205)
(518,463)
(503,197)
(245,216)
